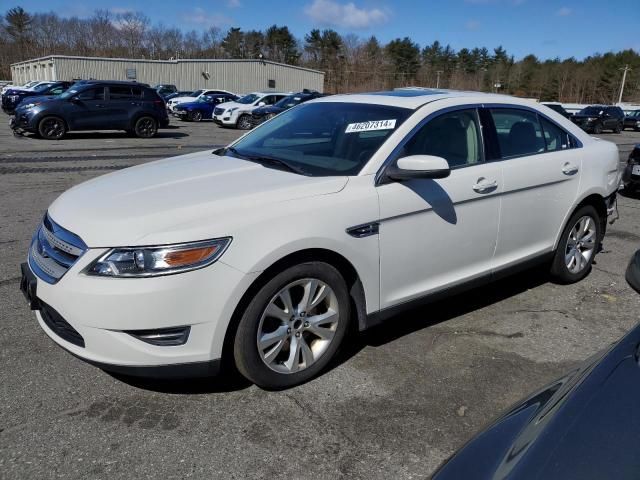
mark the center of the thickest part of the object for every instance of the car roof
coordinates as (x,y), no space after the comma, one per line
(415,97)
(112,82)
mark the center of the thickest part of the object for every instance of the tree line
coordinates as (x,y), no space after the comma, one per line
(351,63)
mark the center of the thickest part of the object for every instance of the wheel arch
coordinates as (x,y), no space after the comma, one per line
(596,200)
(338,261)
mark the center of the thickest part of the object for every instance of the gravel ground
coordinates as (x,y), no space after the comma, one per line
(403,397)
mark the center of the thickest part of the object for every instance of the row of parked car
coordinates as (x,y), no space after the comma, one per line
(230,110)
(597,118)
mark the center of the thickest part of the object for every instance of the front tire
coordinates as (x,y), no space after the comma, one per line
(293,327)
(244,122)
(597,129)
(578,246)
(618,128)
(145,127)
(195,116)
(52,128)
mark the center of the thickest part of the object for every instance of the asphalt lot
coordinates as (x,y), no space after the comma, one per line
(402,398)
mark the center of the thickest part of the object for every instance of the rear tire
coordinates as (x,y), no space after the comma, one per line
(52,128)
(145,127)
(597,129)
(578,246)
(618,128)
(293,326)
(195,116)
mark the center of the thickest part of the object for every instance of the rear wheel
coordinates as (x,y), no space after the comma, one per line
(146,127)
(293,326)
(195,116)
(244,122)
(52,128)
(597,129)
(618,128)
(578,246)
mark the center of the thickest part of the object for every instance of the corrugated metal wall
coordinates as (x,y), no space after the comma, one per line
(240,76)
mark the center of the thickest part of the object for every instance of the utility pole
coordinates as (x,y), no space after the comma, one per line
(438,72)
(624,78)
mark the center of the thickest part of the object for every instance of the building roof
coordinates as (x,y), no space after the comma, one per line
(173,61)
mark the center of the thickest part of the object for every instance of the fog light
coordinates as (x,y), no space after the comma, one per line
(162,337)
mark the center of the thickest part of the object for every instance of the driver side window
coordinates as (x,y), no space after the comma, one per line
(454,136)
(92,94)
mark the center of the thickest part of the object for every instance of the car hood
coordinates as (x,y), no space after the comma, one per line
(581,426)
(243,106)
(187,198)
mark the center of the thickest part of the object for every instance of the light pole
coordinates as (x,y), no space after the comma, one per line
(624,78)
(438,72)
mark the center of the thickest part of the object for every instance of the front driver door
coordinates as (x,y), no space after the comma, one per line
(438,233)
(87,109)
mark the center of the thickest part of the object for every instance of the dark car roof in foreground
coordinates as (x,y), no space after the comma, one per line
(584,426)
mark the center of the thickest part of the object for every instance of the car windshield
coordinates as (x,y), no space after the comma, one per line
(288,102)
(41,87)
(323,139)
(197,93)
(635,113)
(252,97)
(591,111)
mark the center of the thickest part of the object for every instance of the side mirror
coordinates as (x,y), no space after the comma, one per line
(419,166)
(261,104)
(633,272)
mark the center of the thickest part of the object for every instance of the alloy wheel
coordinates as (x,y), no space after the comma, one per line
(244,123)
(298,325)
(581,244)
(146,127)
(52,128)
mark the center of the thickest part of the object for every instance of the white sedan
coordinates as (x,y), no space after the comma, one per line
(341,211)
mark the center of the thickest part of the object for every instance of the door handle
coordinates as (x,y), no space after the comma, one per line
(569,169)
(99,105)
(483,186)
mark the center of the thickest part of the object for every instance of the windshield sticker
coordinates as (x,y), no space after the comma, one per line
(372,125)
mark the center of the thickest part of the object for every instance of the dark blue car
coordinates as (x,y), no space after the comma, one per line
(95,105)
(203,107)
(12,98)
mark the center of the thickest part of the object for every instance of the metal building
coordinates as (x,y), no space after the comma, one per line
(239,76)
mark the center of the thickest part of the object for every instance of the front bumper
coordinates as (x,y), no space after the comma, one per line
(102,310)
(225,119)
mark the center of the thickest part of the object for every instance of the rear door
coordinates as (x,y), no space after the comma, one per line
(541,174)
(124,100)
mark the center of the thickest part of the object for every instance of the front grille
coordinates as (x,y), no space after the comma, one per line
(54,250)
(59,325)
(218,111)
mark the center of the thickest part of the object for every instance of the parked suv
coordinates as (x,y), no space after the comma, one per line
(339,212)
(238,114)
(631,174)
(13,98)
(632,120)
(95,105)
(597,118)
(557,107)
(261,114)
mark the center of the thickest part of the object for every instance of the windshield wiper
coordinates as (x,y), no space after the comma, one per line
(268,161)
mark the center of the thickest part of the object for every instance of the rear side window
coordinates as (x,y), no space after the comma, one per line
(555,138)
(124,92)
(518,132)
(454,136)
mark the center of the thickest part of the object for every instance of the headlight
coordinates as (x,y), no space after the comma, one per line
(30,105)
(158,260)
(591,119)
(231,110)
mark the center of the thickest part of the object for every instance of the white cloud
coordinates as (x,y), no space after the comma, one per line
(330,12)
(563,12)
(472,25)
(199,16)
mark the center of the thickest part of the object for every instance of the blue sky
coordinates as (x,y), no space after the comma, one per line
(547,28)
